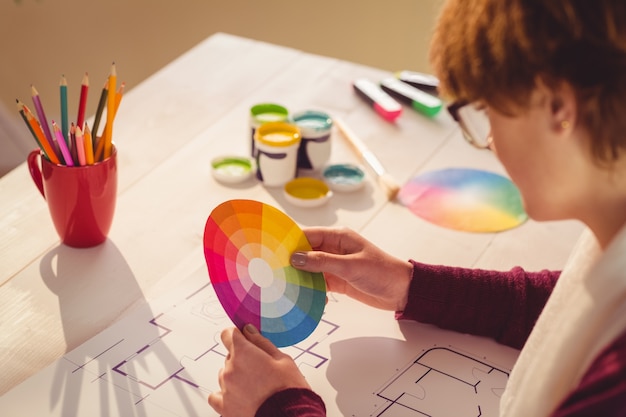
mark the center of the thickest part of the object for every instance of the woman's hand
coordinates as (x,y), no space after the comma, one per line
(254,370)
(355,267)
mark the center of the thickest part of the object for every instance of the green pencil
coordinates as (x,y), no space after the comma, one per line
(64,119)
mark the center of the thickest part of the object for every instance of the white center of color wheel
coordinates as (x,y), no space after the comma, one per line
(260,272)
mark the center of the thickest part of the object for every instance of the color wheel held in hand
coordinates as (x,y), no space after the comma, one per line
(247,246)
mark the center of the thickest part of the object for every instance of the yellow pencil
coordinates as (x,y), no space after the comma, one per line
(118,96)
(108,138)
(88,145)
(80,146)
(101,142)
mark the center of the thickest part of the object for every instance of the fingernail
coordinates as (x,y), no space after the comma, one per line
(298,259)
(251,329)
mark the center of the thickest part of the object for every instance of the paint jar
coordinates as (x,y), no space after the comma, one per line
(315,146)
(264,113)
(276,145)
(307,192)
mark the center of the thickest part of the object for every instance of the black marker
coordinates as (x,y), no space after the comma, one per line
(425,82)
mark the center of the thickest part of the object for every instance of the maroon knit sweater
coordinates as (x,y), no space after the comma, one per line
(500,305)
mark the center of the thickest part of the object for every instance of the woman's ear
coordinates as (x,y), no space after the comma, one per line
(561,100)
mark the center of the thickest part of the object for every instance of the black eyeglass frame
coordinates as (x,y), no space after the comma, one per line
(453,109)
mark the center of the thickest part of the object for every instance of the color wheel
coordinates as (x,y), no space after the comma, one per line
(465,199)
(247,246)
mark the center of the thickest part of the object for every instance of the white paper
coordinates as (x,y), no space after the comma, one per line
(163,359)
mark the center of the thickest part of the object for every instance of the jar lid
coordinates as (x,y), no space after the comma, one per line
(268,112)
(344,177)
(232,169)
(307,192)
(311,122)
(277,134)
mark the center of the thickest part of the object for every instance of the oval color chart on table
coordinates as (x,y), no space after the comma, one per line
(247,246)
(465,199)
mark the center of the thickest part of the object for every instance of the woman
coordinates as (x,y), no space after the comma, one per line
(543,84)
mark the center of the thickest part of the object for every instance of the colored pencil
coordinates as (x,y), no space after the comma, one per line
(118,100)
(75,144)
(100,109)
(40,112)
(88,145)
(80,146)
(62,145)
(118,96)
(110,112)
(64,117)
(20,109)
(40,135)
(72,145)
(82,103)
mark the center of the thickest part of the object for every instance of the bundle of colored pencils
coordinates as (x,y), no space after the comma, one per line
(75,144)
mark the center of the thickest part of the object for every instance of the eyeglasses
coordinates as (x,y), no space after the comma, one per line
(474,123)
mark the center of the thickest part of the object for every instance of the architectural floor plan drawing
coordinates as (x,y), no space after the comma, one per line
(157,362)
(162,360)
(172,360)
(442,382)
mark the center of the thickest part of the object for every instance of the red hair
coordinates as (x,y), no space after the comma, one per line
(495,51)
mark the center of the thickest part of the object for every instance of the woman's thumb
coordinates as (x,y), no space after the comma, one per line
(312,261)
(254,336)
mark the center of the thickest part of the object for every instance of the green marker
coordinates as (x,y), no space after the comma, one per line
(422,102)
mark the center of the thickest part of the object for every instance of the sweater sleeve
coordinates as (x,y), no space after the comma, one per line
(602,390)
(503,305)
(293,402)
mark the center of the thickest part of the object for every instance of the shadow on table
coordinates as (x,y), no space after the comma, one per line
(359,366)
(429,373)
(105,375)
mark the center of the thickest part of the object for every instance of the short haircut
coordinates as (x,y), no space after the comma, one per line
(494,51)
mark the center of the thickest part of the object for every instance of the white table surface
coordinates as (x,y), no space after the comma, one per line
(53,298)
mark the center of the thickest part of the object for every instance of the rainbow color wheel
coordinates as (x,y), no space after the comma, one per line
(247,246)
(465,199)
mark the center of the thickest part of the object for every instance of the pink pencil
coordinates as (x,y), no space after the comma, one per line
(80,146)
(62,145)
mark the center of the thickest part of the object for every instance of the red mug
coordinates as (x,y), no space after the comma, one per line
(81,199)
